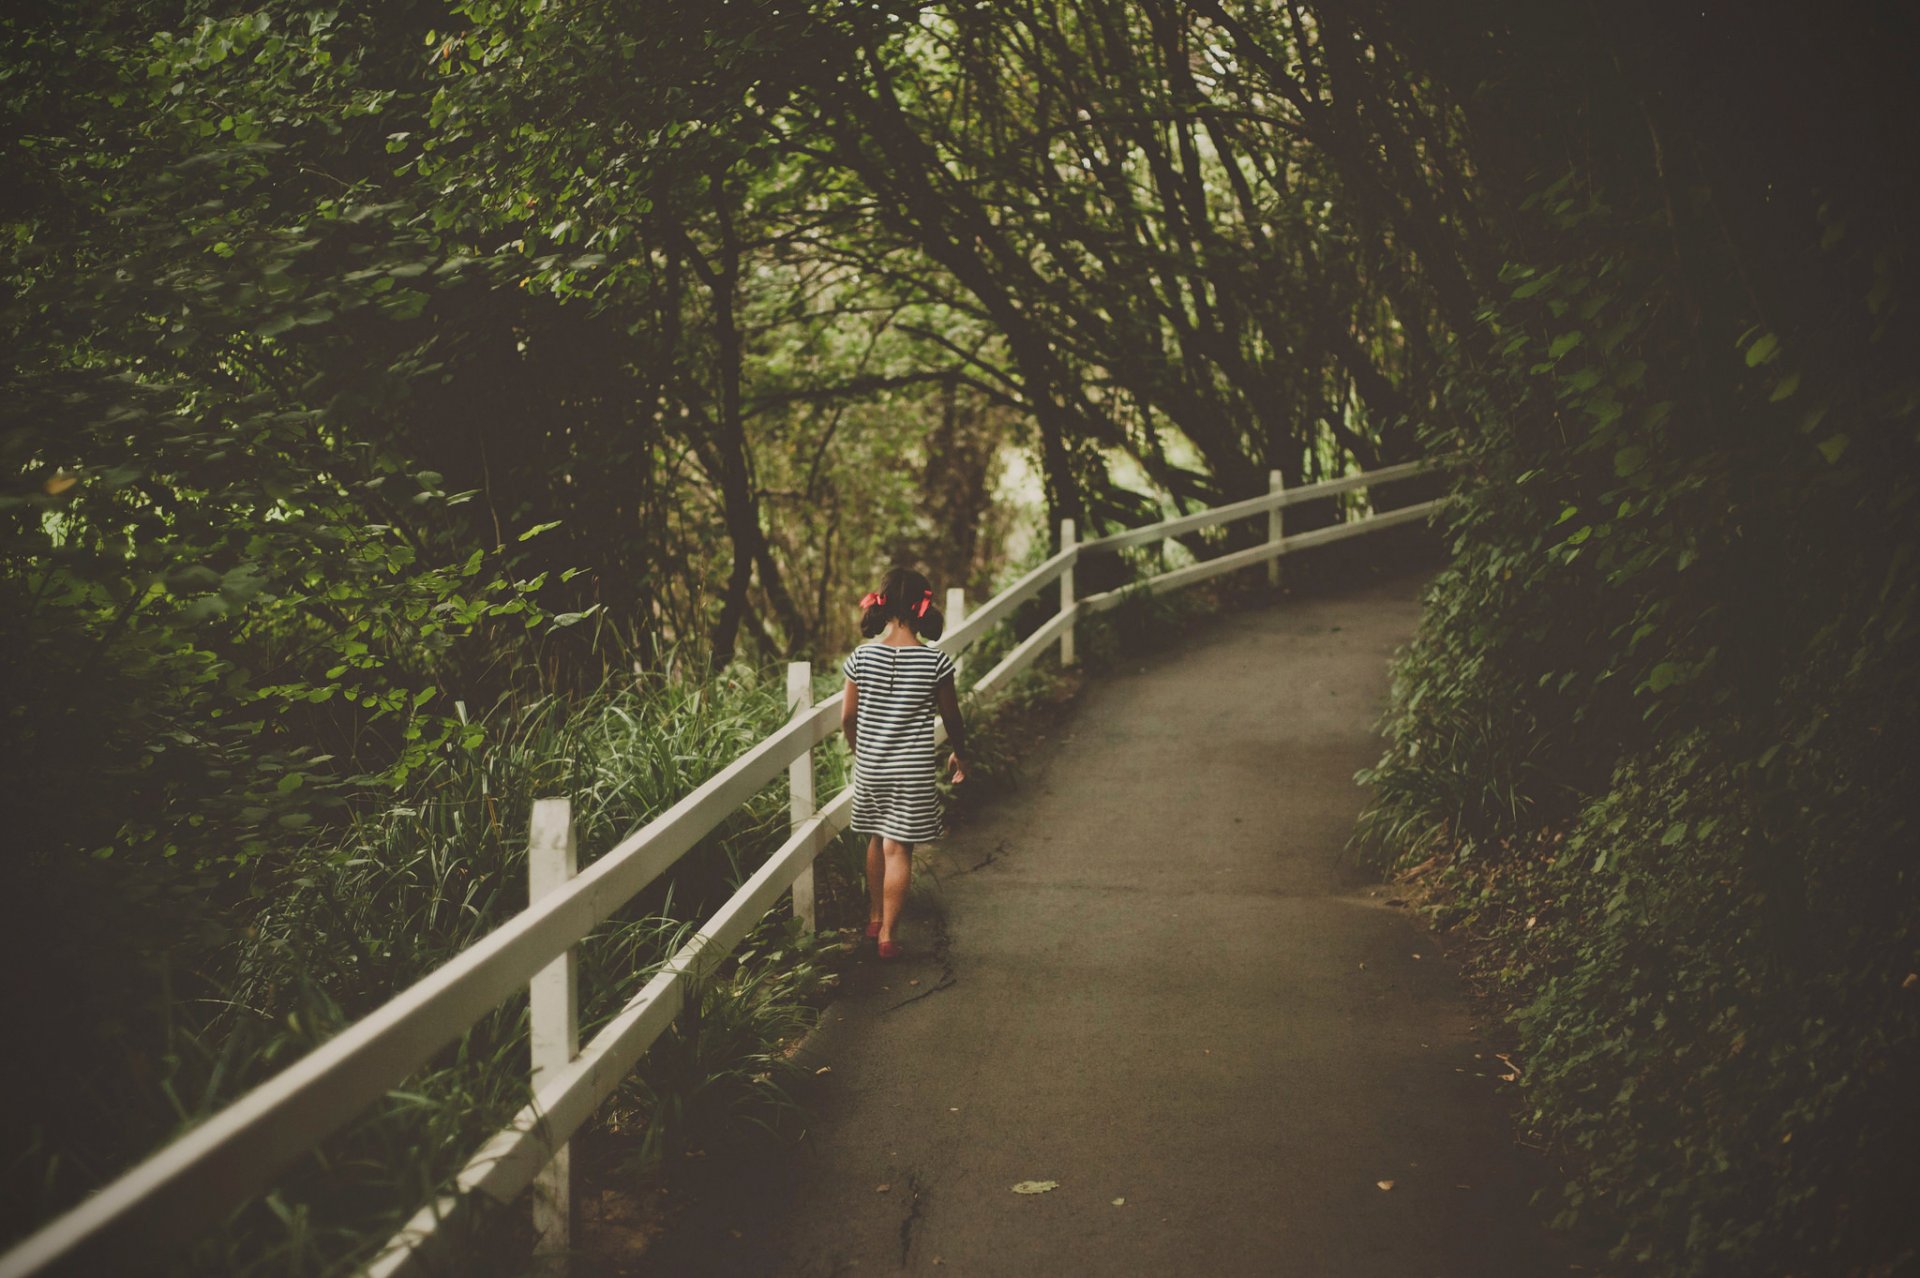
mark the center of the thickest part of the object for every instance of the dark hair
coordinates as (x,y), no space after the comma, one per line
(901,595)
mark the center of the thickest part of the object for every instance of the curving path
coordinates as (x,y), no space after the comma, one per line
(1146,976)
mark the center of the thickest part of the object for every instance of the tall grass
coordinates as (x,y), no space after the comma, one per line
(333,930)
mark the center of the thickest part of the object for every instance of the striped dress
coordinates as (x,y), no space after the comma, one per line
(893,770)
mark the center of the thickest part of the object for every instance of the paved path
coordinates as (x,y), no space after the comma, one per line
(1145,976)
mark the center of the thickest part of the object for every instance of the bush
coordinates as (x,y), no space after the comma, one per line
(1658,735)
(328,934)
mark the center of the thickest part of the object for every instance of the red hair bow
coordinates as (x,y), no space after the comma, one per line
(926,601)
(871,600)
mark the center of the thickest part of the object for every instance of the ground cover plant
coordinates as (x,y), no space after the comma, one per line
(1652,751)
(334,930)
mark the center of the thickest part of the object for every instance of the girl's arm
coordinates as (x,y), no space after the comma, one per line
(850,716)
(948,701)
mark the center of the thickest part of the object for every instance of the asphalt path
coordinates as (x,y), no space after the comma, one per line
(1147,976)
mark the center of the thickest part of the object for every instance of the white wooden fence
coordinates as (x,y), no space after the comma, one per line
(133,1223)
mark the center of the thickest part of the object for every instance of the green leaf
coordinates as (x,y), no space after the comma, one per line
(1564,343)
(1665,675)
(1763,350)
(1629,459)
(1832,446)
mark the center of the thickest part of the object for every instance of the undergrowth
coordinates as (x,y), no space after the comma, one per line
(319,939)
(1652,756)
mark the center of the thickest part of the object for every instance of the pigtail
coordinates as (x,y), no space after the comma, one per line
(904,596)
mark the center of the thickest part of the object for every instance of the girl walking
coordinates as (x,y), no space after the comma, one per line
(894,684)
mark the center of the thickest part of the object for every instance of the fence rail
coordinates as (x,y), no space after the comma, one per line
(224,1162)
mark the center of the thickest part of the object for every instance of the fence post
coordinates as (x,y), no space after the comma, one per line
(956,613)
(552,859)
(1067,541)
(800,785)
(1276,483)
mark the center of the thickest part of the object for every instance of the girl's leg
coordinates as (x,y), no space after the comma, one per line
(899,870)
(876,878)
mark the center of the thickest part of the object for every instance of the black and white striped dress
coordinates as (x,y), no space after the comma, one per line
(893,770)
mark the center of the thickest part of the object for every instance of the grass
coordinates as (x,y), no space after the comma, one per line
(329,933)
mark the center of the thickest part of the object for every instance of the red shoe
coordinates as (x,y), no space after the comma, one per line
(890,950)
(873,929)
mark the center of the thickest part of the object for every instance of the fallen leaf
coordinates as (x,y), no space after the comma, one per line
(824,1069)
(1363,966)
(1913,979)
(913,982)
(1416,956)
(1119,1202)
(953,1109)
(1035,1186)
(1532,919)
(881,1189)
(1384,1184)
(58,483)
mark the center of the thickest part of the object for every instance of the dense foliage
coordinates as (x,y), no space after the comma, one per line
(1658,728)
(381,380)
